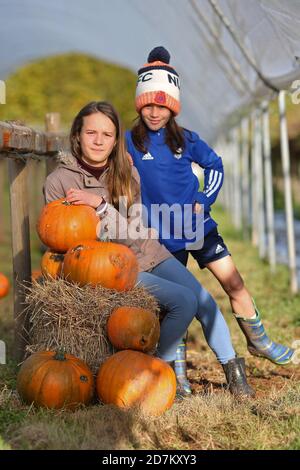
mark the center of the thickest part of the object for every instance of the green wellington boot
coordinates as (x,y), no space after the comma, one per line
(180,391)
(180,368)
(259,344)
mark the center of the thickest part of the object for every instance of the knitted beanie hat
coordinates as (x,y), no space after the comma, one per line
(158,82)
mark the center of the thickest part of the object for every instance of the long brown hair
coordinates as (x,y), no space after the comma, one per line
(119,179)
(174,135)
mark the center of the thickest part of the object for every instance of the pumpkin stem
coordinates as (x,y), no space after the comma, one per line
(77,248)
(60,355)
(66,203)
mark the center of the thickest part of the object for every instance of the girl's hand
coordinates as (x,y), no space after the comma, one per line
(197,208)
(78,196)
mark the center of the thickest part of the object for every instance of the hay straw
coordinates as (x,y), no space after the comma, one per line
(65,315)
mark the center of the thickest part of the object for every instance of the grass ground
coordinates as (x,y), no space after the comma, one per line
(211,418)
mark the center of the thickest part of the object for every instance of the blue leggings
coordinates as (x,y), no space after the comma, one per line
(178,290)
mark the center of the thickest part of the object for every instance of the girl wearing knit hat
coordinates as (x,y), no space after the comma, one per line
(163,152)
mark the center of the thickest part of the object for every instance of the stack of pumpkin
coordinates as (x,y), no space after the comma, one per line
(130,377)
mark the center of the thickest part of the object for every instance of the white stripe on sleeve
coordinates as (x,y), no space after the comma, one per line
(211,185)
(215,187)
(211,174)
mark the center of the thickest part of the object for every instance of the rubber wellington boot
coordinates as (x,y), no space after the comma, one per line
(180,368)
(235,373)
(180,391)
(259,344)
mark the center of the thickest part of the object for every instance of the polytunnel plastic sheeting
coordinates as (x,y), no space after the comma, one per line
(216,78)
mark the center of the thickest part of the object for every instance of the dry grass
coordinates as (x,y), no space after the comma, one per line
(207,422)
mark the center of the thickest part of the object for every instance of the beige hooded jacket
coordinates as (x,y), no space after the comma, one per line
(115,227)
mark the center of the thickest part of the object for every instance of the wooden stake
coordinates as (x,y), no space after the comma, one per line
(289,213)
(20,248)
(254,195)
(52,125)
(269,187)
(245,168)
(2,170)
(236,178)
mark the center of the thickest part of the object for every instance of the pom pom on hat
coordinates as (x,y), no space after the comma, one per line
(159,54)
(158,82)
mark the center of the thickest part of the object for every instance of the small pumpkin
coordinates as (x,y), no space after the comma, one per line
(133,328)
(4,285)
(51,264)
(55,380)
(62,224)
(108,264)
(132,378)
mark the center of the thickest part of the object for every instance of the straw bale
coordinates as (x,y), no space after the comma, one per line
(65,315)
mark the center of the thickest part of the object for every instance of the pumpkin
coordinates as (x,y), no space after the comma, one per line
(111,265)
(133,328)
(132,378)
(51,264)
(4,285)
(55,380)
(62,224)
(36,275)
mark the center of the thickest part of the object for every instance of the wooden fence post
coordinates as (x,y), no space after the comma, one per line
(236,178)
(19,208)
(260,187)
(289,213)
(269,186)
(257,185)
(2,169)
(52,125)
(18,144)
(246,207)
(254,195)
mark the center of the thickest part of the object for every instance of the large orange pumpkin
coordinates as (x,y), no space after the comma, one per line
(132,378)
(111,265)
(51,264)
(133,328)
(62,224)
(4,285)
(55,380)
